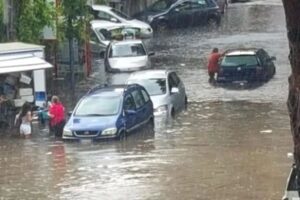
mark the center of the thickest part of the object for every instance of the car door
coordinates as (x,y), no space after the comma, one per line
(141,115)
(128,107)
(199,8)
(174,96)
(268,62)
(179,84)
(180,15)
(148,104)
(96,46)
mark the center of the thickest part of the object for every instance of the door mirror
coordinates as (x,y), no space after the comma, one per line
(151,53)
(273,58)
(70,113)
(174,90)
(130,112)
(113,19)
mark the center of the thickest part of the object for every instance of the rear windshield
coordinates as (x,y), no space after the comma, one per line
(153,86)
(240,60)
(127,50)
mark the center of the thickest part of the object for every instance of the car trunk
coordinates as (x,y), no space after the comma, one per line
(237,73)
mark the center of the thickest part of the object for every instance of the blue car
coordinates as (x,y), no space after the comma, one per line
(110,112)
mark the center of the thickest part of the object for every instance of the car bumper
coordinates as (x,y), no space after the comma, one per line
(132,69)
(74,138)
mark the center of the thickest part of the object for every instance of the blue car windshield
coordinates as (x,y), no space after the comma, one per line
(153,86)
(239,60)
(98,105)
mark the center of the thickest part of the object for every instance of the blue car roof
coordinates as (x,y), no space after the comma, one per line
(110,90)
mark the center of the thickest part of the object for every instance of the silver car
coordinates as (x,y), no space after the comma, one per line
(127,56)
(165,88)
(105,13)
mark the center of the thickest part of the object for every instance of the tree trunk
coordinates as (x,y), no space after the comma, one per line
(292,11)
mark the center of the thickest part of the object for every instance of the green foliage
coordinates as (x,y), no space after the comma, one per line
(32,17)
(76,18)
(100,1)
(2,35)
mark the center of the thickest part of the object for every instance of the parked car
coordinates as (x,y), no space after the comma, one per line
(106,13)
(165,88)
(103,32)
(110,112)
(246,65)
(181,13)
(127,56)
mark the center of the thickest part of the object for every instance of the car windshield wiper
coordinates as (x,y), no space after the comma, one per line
(90,115)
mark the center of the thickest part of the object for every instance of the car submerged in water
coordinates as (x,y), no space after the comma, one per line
(181,13)
(109,112)
(165,88)
(127,56)
(246,65)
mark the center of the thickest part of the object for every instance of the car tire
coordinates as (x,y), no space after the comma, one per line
(185,103)
(122,135)
(274,71)
(173,113)
(212,23)
(161,26)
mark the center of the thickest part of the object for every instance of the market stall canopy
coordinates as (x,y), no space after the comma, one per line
(21,63)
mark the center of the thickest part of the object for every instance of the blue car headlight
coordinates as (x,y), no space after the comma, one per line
(67,132)
(110,131)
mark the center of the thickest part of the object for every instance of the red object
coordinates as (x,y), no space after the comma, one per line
(57,110)
(213,60)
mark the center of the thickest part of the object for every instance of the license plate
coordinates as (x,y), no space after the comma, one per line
(240,82)
(86,141)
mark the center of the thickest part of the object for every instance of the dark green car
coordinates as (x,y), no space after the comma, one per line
(246,65)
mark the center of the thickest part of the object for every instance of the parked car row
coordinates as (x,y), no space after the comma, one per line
(109,23)
(114,111)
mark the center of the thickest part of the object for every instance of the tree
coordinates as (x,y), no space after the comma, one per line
(32,17)
(1,22)
(76,18)
(292,8)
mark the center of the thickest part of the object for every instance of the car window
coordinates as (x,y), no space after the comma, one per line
(138,98)
(183,6)
(161,5)
(198,4)
(127,50)
(103,16)
(120,14)
(129,103)
(239,60)
(171,82)
(93,37)
(154,86)
(145,95)
(175,78)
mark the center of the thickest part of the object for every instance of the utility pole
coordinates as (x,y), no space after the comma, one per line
(292,8)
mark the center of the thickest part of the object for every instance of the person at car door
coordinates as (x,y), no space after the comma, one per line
(213,66)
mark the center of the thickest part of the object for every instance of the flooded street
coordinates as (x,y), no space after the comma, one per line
(231,143)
